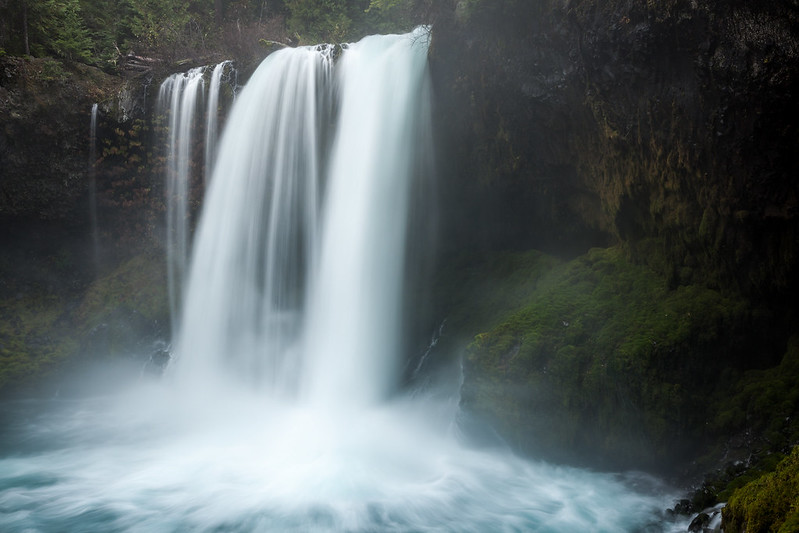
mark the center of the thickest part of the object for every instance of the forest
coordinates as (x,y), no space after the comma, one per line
(97,32)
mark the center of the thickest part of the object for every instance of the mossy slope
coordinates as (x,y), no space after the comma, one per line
(770,503)
(34,336)
(42,331)
(599,357)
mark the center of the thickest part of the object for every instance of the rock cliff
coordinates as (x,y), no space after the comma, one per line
(663,132)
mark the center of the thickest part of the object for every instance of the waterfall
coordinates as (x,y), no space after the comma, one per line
(354,312)
(296,277)
(281,411)
(257,237)
(212,115)
(93,189)
(178,97)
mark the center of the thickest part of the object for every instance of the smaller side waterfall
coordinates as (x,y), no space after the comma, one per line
(179,95)
(181,99)
(93,189)
(212,116)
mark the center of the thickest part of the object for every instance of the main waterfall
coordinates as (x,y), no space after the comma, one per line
(297,270)
(282,409)
(257,240)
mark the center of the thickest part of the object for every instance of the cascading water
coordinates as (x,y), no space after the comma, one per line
(257,238)
(178,97)
(93,188)
(212,114)
(283,414)
(354,311)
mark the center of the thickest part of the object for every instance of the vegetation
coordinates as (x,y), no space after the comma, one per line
(601,356)
(98,31)
(763,401)
(31,337)
(40,330)
(769,503)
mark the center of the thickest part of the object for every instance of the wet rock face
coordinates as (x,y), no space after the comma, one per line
(46,179)
(666,126)
(43,139)
(45,113)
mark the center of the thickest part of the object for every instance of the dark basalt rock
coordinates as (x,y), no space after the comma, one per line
(665,129)
(698,524)
(665,126)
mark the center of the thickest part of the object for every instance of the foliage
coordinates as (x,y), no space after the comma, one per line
(769,503)
(346,20)
(605,348)
(159,22)
(324,20)
(52,71)
(57,28)
(109,23)
(763,401)
(391,15)
(41,330)
(70,38)
(31,342)
(97,31)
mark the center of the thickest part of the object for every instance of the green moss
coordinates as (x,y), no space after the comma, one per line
(40,331)
(138,284)
(598,353)
(763,402)
(480,290)
(769,503)
(33,336)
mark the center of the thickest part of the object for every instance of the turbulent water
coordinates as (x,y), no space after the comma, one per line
(151,461)
(282,409)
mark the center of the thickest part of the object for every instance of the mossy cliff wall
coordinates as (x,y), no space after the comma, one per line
(667,126)
(666,131)
(51,266)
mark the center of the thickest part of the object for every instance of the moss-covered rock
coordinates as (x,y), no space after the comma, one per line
(118,315)
(762,404)
(598,357)
(664,130)
(767,504)
(35,336)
